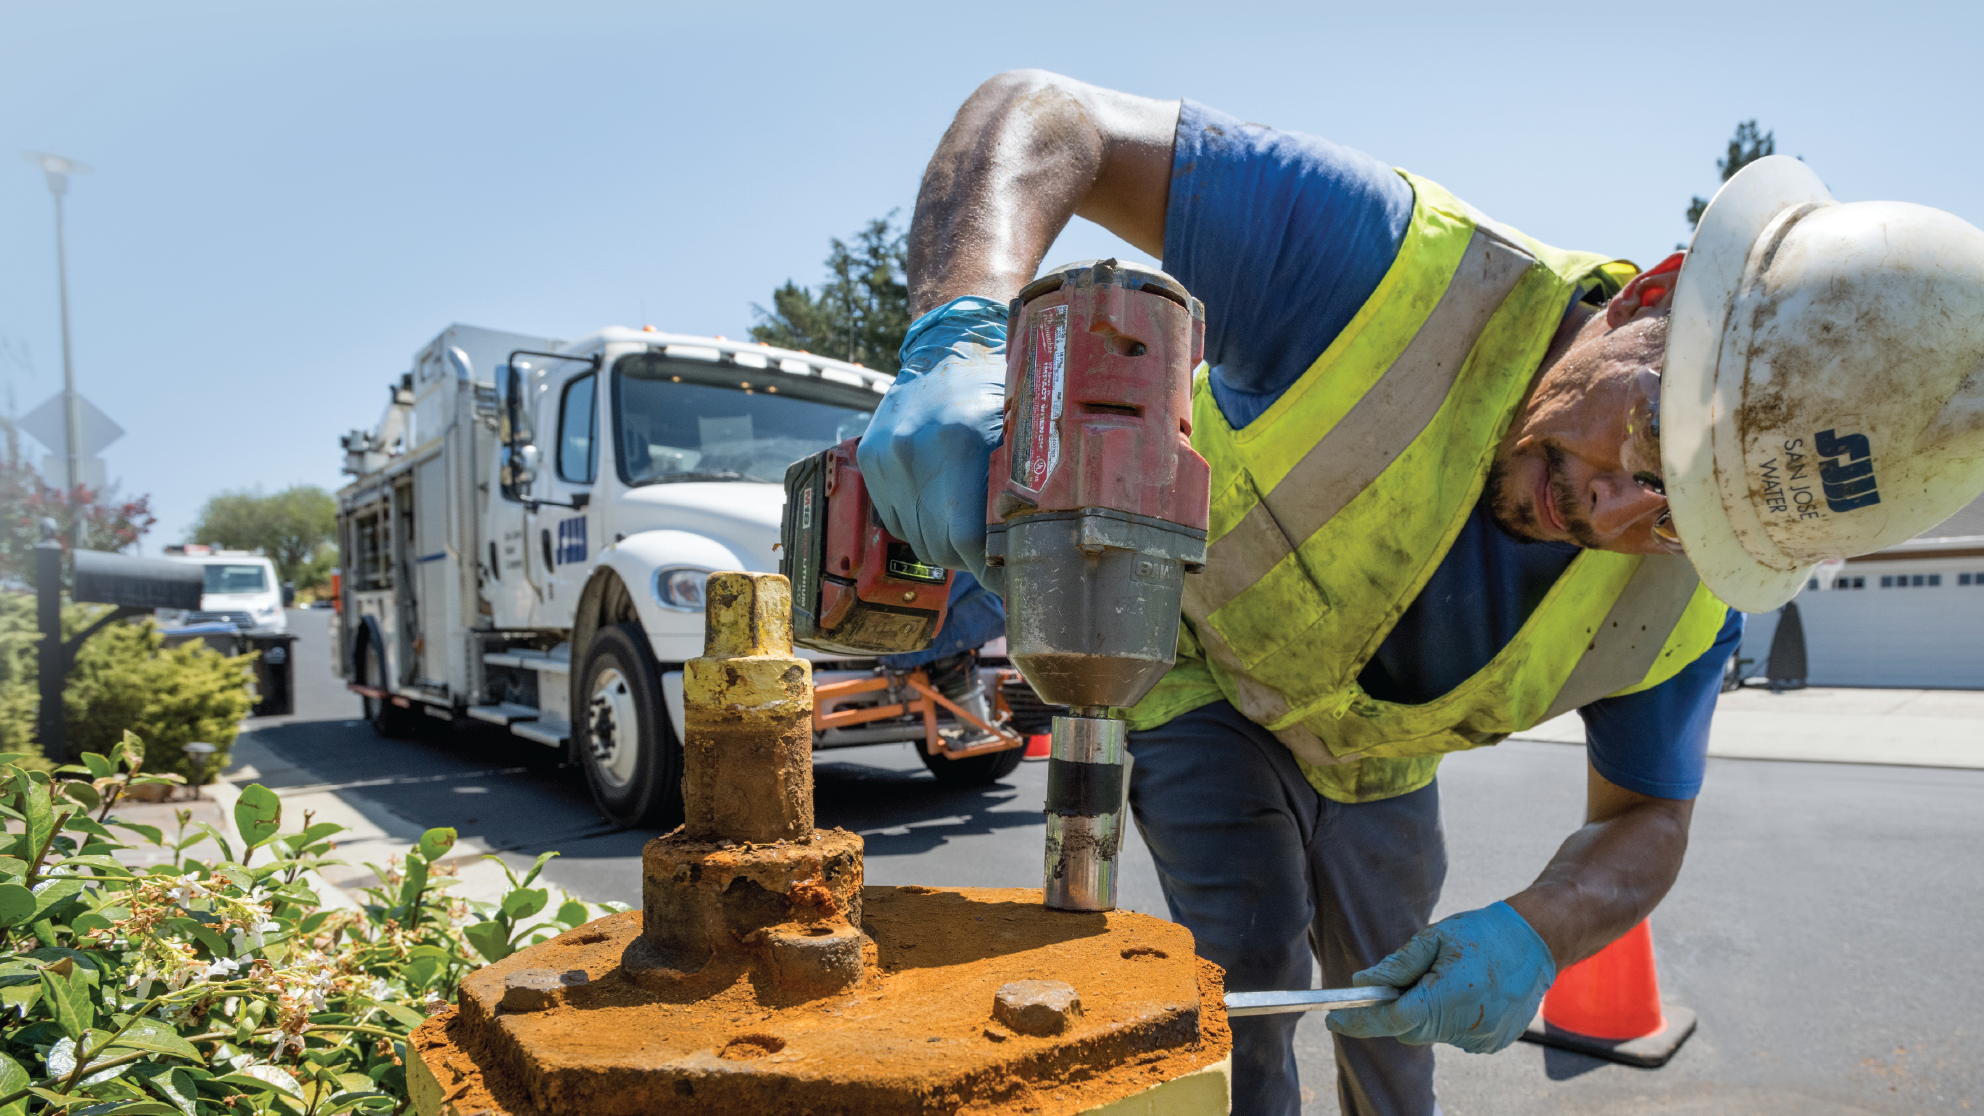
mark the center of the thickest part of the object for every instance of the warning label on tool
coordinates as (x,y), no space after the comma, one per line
(1038,431)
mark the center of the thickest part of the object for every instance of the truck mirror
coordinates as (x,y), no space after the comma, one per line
(516,424)
(519,469)
(288,593)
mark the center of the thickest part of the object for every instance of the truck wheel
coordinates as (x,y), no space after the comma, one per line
(972,771)
(388,720)
(633,761)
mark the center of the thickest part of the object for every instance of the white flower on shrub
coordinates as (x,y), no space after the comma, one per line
(245,940)
(189,889)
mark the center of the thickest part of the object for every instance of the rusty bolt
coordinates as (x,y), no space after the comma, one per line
(746,614)
(747,766)
(537,989)
(1037,1007)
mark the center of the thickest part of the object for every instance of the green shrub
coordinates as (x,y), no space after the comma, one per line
(18,672)
(221,987)
(123,678)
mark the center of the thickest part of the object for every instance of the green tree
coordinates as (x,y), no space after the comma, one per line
(862,309)
(293,527)
(1745,147)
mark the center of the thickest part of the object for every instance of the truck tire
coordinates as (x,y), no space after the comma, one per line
(972,771)
(388,720)
(625,742)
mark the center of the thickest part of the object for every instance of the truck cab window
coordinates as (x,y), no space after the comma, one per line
(681,421)
(235,578)
(578,432)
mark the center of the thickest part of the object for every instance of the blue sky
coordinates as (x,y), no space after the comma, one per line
(290,199)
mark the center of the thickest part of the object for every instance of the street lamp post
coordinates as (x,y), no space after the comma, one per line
(58,170)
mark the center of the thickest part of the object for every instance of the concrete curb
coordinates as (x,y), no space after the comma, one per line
(1884,728)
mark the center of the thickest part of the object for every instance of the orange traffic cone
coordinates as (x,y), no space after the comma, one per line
(1037,747)
(1608,1006)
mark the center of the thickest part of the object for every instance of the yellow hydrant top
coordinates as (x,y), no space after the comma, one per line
(747,748)
(747,614)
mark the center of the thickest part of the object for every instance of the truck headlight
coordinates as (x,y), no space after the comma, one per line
(680,587)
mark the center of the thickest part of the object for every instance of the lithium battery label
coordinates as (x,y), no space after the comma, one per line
(1039,429)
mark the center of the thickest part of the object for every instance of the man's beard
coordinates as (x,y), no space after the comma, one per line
(1506,508)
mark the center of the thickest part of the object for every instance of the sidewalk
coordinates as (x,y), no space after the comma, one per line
(1910,728)
(373,835)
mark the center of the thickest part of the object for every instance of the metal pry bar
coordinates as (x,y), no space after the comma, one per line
(1312,999)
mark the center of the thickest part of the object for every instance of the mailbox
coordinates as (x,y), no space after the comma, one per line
(134,585)
(119,579)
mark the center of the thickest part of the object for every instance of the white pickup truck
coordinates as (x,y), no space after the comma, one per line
(530,528)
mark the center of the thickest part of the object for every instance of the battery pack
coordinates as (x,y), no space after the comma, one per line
(856,589)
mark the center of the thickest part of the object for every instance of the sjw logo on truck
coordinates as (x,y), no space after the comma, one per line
(571,541)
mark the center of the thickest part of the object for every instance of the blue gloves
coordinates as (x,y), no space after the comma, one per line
(1473,980)
(928,450)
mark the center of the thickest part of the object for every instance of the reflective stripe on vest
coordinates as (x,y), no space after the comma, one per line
(1627,643)
(1369,438)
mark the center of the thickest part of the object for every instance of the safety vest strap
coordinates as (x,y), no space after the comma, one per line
(1372,435)
(1266,706)
(1624,647)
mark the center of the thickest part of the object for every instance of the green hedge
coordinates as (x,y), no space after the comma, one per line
(222,986)
(124,678)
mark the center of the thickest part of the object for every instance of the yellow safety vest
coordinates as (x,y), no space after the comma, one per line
(1332,510)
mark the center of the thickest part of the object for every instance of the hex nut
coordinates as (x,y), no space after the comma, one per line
(537,989)
(1037,1007)
(816,960)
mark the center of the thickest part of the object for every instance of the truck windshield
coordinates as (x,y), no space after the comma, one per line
(236,579)
(680,421)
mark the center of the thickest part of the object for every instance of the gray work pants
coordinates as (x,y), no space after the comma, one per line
(1263,870)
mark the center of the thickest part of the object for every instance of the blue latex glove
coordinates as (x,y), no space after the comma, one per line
(1473,980)
(928,450)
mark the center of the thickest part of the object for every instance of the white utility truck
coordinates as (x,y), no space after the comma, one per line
(241,589)
(529,532)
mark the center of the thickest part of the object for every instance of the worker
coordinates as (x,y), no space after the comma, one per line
(1462,482)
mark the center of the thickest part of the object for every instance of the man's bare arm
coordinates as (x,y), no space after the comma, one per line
(1609,875)
(1028,150)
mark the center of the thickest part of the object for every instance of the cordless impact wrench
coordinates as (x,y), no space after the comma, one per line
(1096,510)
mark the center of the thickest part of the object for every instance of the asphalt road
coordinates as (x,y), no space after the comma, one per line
(1826,927)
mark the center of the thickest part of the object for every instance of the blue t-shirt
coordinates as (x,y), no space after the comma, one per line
(1284,236)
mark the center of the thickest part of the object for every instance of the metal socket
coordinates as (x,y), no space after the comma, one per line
(1088,782)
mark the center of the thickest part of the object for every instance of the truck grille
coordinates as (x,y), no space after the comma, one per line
(238,619)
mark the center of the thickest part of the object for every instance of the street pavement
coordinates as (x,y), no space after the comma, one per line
(1825,928)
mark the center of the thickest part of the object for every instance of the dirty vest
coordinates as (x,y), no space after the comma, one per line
(1332,510)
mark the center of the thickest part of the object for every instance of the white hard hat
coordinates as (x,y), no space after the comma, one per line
(1823,394)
